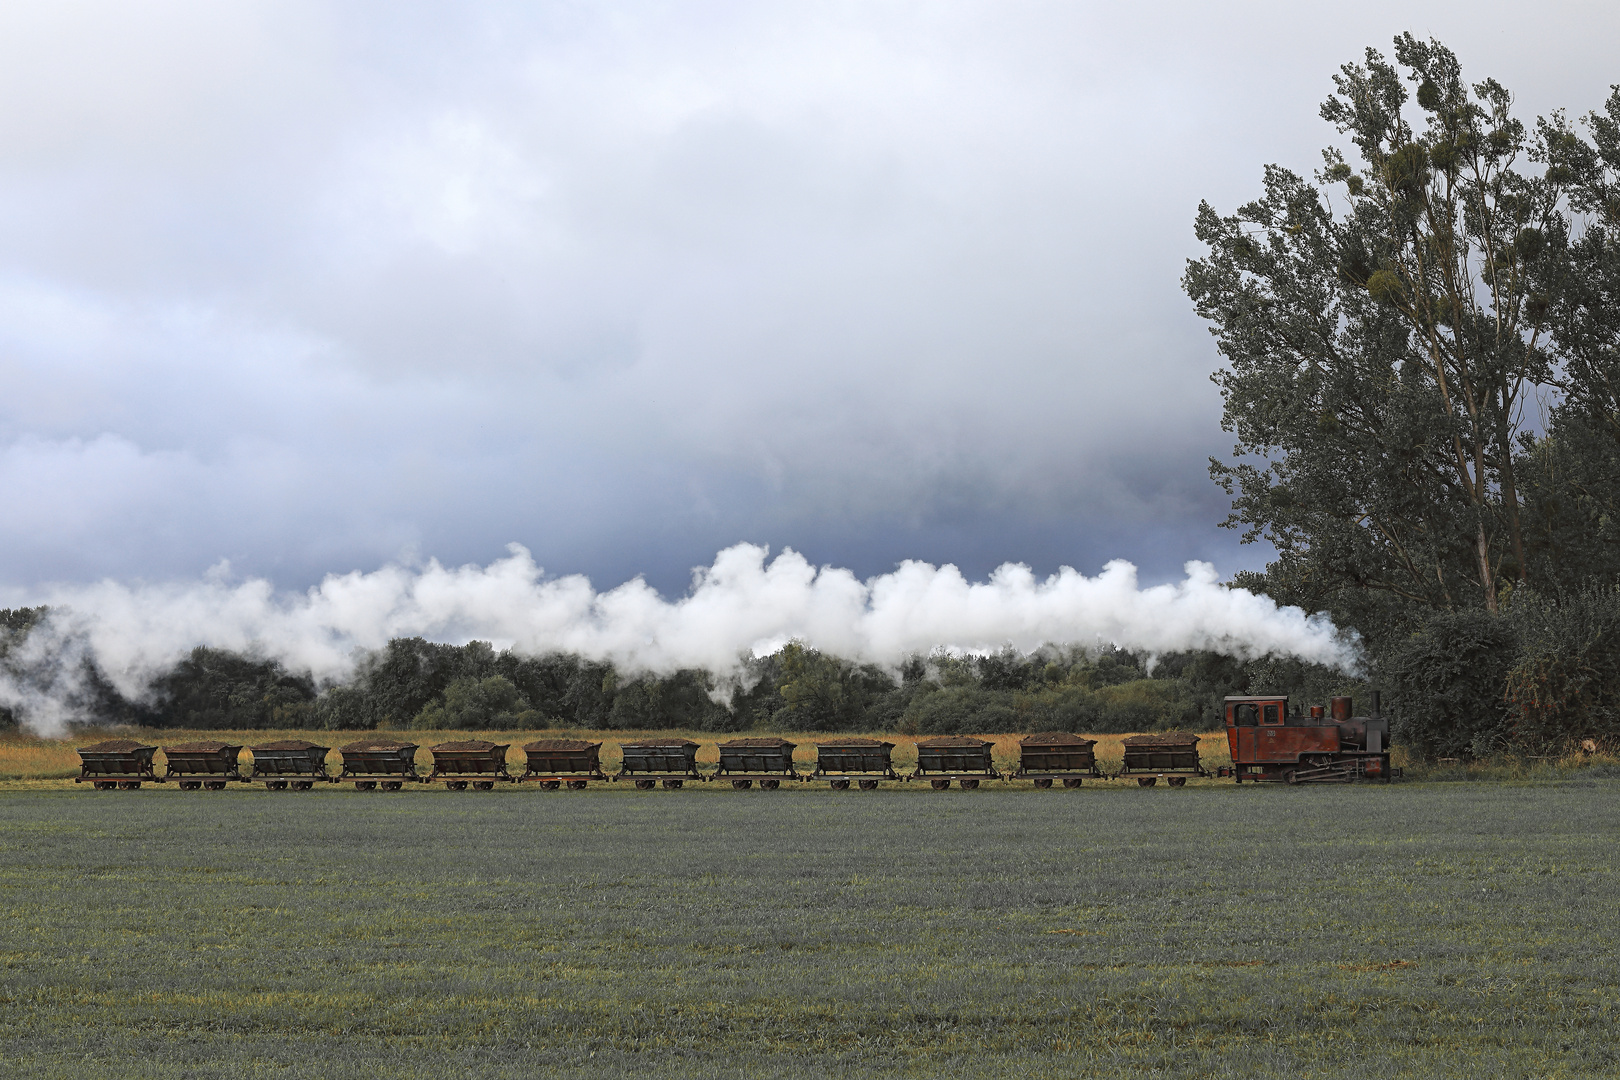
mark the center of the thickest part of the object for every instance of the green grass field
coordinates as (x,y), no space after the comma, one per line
(1418,929)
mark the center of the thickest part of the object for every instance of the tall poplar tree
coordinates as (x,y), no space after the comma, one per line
(1382,329)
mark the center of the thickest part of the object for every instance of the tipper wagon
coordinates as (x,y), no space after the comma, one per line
(387,763)
(768,760)
(866,761)
(1056,755)
(469,761)
(117,763)
(206,764)
(672,761)
(290,763)
(554,762)
(962,758)
(1172,755)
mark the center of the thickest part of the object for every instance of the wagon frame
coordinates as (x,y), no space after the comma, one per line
(865,761)
(123,769)
(768,760)
(1060,755)
(295,764)
(472,762)
(670,762)
(1175,759)
(386,764)
(955,757)
(203,766)
(551,754)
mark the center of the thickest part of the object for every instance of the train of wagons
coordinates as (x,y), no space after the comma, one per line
(1268,740)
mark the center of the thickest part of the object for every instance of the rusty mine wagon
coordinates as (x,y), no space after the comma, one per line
(962,758)
(671,761)
(1172,755)
(554,762)
(865,761)
(768,760)
(1057,755)
(290,763)
(203,765)
(117,763)
(374,763)
(469,761)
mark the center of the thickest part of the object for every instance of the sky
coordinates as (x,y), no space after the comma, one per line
(296,288)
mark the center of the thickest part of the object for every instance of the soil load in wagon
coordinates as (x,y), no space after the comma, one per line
(290,763)
(865,761)
(116,763)
(1056,755)
(769,760)
(672,761)
(371,763)
(1171,752)
(552,762)
(207,764)
(962,758)
(469,761)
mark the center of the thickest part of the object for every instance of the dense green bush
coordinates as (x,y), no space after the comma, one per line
(1448,680)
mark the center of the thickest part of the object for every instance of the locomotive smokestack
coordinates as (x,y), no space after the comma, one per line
(1377,703)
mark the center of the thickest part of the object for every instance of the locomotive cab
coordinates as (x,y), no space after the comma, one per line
(1270,742)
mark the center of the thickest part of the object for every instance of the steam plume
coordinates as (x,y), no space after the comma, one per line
(744,603)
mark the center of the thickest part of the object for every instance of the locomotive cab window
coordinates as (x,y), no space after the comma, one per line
(1272,712)
(1245,715)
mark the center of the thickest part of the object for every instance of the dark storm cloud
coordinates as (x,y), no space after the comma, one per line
(314,286)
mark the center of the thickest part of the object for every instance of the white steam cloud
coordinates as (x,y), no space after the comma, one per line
(746,603)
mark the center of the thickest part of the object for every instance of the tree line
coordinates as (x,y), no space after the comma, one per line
(413,683)
(1422,373)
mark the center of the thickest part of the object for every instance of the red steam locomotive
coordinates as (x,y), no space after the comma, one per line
(1269,742)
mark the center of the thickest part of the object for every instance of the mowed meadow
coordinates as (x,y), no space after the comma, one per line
(1410,929)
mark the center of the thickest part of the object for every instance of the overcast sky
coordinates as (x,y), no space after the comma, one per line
(312,287)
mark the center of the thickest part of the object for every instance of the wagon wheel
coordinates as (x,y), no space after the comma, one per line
(1071,781)
(1147,781)
(741,785)
(866,785)
(1046,782)
(644,785)
(671,785)
(129,785)
(969,783)
(550,785)
(938,784)
(841,785)
(303,785)
(770,785)
(365,785)
(191,785)
(483,785)
(577,785)
(1178,781)
(102,785)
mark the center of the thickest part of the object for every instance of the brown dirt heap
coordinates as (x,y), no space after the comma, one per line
(658,744)
(207,746)
(379,744)
(761,743)
(288,744)
(856,742)
(1055,738)
(561,744)
(954,740)
(114,746)
(1168,738)
(468,745)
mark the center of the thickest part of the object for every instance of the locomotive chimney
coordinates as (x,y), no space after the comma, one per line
(1342,707)
(1377,703)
